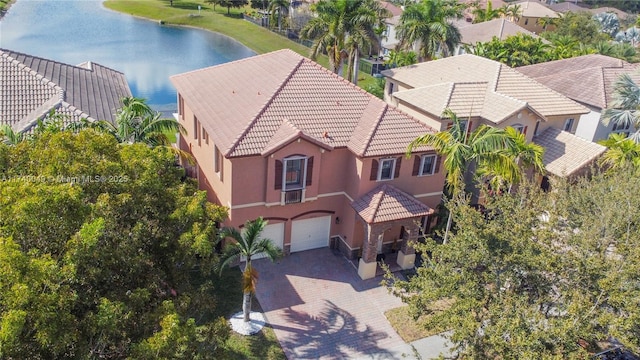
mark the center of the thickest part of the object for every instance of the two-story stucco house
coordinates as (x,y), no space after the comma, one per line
(281,137)
(484,91)
(595,88)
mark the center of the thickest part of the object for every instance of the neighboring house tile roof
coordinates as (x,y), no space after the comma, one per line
(30,87)
(256,105)
(597,74)
(477,85)
(567,6)
(566,153)
(487,30)
(534,9)
(393,9)
(621,14)
(388,203)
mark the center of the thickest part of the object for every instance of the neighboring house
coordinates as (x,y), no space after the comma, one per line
(597,75)
(479,4)
(279,136)
(567,6)
(31,87)
(389,40)
(486,31)
(532,12)
(484,91)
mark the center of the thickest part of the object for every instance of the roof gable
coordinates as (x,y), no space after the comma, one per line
(566,153)
(388,203)
(535,9)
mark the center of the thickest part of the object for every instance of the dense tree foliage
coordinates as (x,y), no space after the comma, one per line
(629,6)
(105,252)
(536,275)
(582,26)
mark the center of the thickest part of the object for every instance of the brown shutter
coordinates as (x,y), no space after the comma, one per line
(449,125)
(437,166)
(524,131)
(416,166)
(309,171)
(396,172)
(374,170)
(278,182)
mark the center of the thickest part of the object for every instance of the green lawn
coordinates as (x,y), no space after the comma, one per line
(407,327)
(186,13)
(263,345)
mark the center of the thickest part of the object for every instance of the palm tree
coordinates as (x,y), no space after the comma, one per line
(482,15)
(493,151)
(247,244)
(336,22)
(512,12)
(622,152)
(136,122)
(279,7)
(625,108)
(10,137)
(426,25)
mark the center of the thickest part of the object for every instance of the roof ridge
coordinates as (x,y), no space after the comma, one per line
(8,53)
(383,192)
(253,121)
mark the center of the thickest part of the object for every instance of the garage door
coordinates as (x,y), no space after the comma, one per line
(274,232)
(310,233)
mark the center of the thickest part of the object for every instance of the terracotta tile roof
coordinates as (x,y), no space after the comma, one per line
(567,6)
(509,90)
(485,31)
(566,153)
(31,86)
(535,9)
(388,203)
(254,105)
(597,74)
(393,9)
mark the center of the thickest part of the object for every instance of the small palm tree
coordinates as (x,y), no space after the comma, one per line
(489,13)
(10,137)
(622,152)
(247,244)
(136,122)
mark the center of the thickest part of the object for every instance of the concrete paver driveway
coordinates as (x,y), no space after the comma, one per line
(320,309)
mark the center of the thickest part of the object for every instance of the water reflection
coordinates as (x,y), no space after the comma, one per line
(83,30)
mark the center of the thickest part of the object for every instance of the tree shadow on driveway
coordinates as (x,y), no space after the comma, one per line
(331,334)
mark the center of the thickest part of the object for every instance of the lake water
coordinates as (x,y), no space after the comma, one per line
(83,30)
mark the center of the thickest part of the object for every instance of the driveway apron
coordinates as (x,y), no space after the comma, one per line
(319,308)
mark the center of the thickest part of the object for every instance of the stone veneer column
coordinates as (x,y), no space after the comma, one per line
(367,266)
(407,254)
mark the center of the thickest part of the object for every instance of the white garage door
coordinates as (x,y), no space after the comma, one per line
(310,233)
(274,232)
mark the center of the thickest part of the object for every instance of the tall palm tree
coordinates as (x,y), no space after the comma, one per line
(625,109)
(278,8)
(486,14)
(247,244)
(492,151)
(341,28)
(426,26)
(622,152)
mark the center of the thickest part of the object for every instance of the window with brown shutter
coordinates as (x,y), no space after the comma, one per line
(309,171)
(437,168)
(396,172)
(278,175)
(374,170)
(416,166)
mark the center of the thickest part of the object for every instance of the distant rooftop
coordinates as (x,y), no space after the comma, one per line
(31,87)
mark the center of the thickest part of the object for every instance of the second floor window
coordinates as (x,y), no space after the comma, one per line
(385,169)
(520,128)
(293,172)
(621,127)
(568,125)
(427,164)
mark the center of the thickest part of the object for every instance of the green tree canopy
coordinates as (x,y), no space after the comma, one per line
(565,272)
(102,246)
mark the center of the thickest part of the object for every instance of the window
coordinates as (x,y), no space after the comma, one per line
(293,173)
(621,127)
(217,161)
(568,125)
(205,135)
(391,87)
(520,128)
(535,130)
(387,166)
(180,106)
(427,165)
(196,127)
